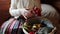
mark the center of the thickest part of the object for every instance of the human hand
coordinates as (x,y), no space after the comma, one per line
(26,13)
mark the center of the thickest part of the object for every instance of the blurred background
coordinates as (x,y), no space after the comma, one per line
(4,11)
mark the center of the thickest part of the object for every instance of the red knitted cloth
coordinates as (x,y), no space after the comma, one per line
(31,33)
(37,11)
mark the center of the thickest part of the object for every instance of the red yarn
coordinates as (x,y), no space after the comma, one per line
(37,11)
(31,33)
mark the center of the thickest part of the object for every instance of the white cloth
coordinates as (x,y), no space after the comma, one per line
(18,6)
(8,22)
(49,11)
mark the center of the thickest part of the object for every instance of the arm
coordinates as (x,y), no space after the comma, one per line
(13,8)
(14,11)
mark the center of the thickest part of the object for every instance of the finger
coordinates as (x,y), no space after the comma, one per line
(25,17)
(23,13)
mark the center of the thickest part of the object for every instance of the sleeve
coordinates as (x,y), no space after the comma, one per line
(13,10)
(49,11)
